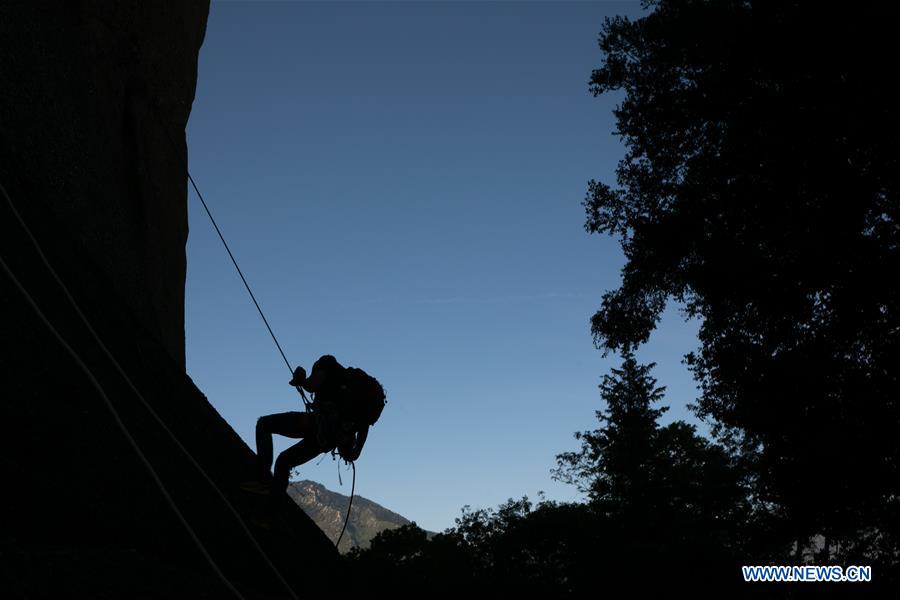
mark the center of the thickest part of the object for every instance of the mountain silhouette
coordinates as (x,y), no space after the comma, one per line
(328,510)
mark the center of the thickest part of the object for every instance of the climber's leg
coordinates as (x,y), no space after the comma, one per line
(301,452)
(288,424)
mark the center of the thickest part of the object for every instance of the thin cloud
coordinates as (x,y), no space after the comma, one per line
(488,299)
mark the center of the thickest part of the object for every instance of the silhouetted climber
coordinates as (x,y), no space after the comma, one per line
(347,401)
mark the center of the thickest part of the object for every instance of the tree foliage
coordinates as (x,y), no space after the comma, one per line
(517,548)
(760,188)
(663,484)
(659,495)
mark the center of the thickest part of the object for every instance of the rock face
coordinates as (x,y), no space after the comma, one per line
(95,99)
(93,104)
(328,509)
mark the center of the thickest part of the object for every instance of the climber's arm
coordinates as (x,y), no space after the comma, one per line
(310,384)
(359,441)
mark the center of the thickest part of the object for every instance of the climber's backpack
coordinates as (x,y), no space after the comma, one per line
(364,398)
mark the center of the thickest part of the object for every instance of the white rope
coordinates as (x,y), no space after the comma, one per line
(146,404)
(125,432)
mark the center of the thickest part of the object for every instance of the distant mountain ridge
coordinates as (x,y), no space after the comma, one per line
(327,509)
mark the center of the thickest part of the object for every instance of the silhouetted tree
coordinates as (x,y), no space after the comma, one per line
(667,508)
(760,189)
(670,490)
(404,559)
(615,464)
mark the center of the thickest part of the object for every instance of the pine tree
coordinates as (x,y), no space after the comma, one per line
(615,464)
(665,485)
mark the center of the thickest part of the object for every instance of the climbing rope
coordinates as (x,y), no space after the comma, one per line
(259,309)
(143,458)
(143,400)
(307,404)
(118,419)
(350,505)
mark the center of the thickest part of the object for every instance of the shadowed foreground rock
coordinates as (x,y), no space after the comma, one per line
(85,159)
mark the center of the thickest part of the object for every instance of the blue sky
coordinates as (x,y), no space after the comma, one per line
(402,183)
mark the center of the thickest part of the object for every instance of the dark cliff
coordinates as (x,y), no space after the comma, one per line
(94,101)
